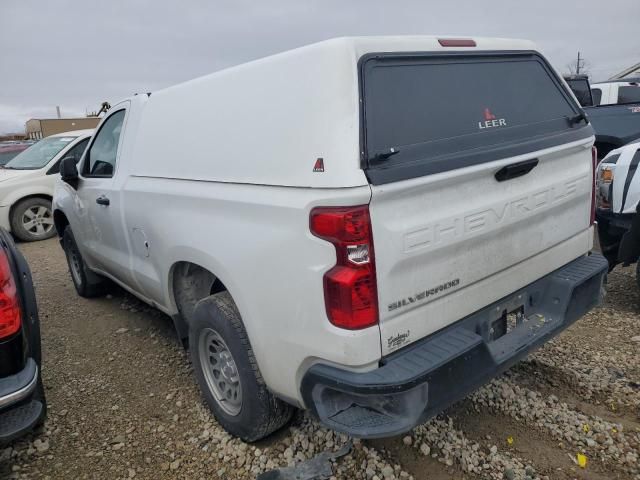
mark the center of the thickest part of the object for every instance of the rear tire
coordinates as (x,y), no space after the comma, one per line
(87,283)
(32,219)
(228,373)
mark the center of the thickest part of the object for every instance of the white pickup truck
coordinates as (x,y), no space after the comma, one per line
(618,206)
(369,228)
(616,92)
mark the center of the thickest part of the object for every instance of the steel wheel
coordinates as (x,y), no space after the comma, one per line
(37,221)
(220,371)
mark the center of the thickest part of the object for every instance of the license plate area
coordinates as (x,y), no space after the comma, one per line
(508,321)
(504,318)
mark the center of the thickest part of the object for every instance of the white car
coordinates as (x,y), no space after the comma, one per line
(614,93)
(465,164)
(27,182)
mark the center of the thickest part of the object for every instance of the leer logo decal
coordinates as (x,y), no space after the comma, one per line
(490,121)
(319,165)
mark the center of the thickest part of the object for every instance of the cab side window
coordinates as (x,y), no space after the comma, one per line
(629,94)
(100,160)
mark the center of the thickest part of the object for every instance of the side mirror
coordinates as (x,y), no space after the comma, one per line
(69,171)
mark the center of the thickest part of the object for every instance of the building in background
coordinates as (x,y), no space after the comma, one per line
(12,137)
(631,72)
(38,128)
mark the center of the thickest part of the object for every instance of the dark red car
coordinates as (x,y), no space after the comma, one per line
(8,151)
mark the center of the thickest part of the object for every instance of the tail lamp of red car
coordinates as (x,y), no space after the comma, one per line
(10,311)
(350,291)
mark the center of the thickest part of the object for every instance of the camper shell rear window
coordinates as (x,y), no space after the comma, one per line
(429,113)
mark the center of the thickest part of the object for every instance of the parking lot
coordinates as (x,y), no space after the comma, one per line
(123,403)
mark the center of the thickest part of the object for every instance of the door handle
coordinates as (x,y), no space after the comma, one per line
(516,170)
(102,200)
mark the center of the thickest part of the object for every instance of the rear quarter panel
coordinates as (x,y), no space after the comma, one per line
(256,240)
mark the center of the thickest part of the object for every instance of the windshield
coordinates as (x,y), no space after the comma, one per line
(39,154)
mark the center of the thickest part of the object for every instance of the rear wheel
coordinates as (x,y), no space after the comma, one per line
(228,374)
(32,219)
(87,283)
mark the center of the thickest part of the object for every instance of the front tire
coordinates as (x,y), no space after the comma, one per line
(87,283)
(32,219)
(228,373)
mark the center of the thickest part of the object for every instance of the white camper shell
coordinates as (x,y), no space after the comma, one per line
(346,227)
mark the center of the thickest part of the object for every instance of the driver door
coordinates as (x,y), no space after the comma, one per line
(104,236)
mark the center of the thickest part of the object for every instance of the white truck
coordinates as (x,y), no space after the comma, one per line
(616,92)
(618,206)
(369,228)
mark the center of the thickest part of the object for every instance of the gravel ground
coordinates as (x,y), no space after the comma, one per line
(123,404)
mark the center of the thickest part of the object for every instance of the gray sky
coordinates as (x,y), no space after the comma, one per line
(78,53)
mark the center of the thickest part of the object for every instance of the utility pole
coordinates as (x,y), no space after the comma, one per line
(578,64)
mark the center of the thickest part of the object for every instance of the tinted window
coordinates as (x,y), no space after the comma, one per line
(433,111)
(101,157)
(582,92)
(596,94)
(76,152)
(629,94)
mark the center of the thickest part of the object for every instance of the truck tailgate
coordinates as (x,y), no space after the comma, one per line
(445,233)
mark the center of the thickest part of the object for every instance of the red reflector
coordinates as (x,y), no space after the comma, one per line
(456,42)
(350,291)
(594,168)
(10,313)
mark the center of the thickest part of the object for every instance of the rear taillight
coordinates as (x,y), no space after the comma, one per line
(350,291)
(594,168)
(10,313)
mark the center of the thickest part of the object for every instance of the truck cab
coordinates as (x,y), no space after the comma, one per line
(613,109)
